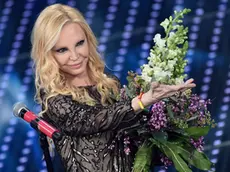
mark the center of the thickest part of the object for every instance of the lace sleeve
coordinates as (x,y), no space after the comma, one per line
(76,119)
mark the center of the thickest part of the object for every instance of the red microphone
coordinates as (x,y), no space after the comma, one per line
(20,110)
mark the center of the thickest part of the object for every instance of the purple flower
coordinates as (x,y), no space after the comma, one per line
(198,144)
(158,119)
(126,145)
(127,150)
(167,162)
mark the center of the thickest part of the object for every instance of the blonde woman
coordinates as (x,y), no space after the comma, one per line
(78,98)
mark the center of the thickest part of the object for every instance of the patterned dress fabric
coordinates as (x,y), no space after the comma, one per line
(92,138)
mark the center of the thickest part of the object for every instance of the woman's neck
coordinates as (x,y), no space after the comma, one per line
(78,81)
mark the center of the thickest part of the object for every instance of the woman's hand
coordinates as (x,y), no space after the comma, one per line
(160,91)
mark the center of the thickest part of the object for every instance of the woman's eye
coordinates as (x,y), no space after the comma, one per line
(61,50)
(80,43)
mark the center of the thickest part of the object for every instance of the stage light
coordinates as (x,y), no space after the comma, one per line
(124,43)
(20,168)
(26,151)
(23,159)
(4,148)
(217,142)
(221,124)
(2,156)
(215,151)
(219,133)
(120,59)
(207,79)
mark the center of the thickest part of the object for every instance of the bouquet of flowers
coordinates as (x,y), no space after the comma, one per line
(174,126)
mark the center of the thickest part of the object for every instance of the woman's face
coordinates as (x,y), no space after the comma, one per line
(72,51)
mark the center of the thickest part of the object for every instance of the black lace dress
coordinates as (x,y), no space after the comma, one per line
(92,135)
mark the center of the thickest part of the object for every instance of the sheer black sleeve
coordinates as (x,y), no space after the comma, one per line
(76,119)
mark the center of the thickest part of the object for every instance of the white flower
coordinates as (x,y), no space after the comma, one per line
(165,24)
(171,64)
(179,81)
(146,77)
(160,74)
(159,42)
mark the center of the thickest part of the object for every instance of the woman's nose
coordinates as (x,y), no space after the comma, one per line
(74,56)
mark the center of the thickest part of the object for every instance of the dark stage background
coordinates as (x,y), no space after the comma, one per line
(124,29)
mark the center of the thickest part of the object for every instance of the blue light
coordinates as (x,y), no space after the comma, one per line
(217,31)
(120,59)
(9,3)
(126,35)
(89,14)
(106,32)
(7,139)
(4,19)
(205,88)
(156,6)
(132,12)
(13,121)
(221,124)
(118,67)
(24,21)
(2,26)
(31,134)
(122,51)
(208,71)
(150,30)
(195,28)
(223,116)
(29,6)
(20,168)
(112,9)
(28,142)
(23,160)
(25,151)
(110,16)
(92,6)
(215,151)
(6,11)
(199,11)
(226,99)
(219,133)
(108,24)
(214,160)
(224,108)
(2,156)
(196,20)
(128,27)
(21,29)
(124,43)
(144,54)
(27,13)
(154,14)
(10,130)
(145,46)
(207,79)
(134,4)
(114,2)
(102,48)
(131,19)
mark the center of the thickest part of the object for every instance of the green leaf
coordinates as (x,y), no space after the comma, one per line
(195,158)
(170,112)
(143,159)
(170,151)
(160,136)
(197,132)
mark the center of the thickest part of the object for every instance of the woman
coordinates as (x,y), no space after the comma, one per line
(78,98)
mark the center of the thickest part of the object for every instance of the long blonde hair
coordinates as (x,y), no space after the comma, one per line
(48,76)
